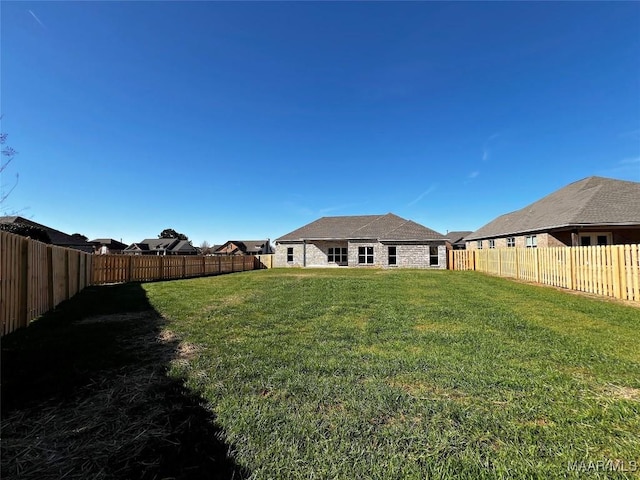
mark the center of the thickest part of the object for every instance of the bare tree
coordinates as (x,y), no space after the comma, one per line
(8,154)
(205,248)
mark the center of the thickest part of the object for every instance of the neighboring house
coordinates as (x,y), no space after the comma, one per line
(362,241)
(161,246)
(592,211)
(455,240)
(106,246)
(57,237)
(244,247)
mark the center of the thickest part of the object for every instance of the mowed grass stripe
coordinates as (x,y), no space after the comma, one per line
(340,373)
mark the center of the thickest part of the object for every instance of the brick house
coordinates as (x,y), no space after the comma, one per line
(386,241)
(161,246)
(455,240)
(107,246)
(244,247)
(592,211)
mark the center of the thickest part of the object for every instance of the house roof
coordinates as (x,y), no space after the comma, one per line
(160,244)
(592,201)
(247,246)
(57,237)
(110,242)
(387,227)
(457,237)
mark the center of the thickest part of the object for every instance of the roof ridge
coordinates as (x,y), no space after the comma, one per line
(595,189)
(376,219)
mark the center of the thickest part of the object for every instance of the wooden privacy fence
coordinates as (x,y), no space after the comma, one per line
(611,270)
(139,268)
(35,277)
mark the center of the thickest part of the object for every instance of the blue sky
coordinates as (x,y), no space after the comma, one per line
(228,120)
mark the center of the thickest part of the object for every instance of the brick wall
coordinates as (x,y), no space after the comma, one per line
(408,256)
(620,236)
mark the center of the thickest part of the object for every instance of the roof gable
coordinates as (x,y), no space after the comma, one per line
(457,236)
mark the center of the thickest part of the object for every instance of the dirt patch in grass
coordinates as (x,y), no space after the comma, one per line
(422,389)
(117,415)
(622,393)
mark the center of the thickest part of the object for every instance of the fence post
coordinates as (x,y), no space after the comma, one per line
(66,274)
(24,283)
(80,286)
(635,249)
(232,266)
(536,258)
(184,266)
(161,272)
(615,271)
(129,267)
(50,304)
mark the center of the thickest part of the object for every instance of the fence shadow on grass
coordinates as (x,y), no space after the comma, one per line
(86,394)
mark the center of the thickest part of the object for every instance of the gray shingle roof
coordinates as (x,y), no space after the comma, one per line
(457,237)
(387,228)
(160,244)
(57,237)
(588,202)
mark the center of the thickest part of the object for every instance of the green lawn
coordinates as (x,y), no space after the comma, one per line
(357,373)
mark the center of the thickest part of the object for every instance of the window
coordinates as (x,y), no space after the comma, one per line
(511,242)
(289,254)
(492,243)
(393,259)
(365,255)
(337,255)
(479,244)
(532,241)
(433,256)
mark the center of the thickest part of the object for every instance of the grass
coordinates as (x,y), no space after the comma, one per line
(333,373)
(409,374)
(85,395)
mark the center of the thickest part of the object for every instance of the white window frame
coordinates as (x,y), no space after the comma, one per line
(365,255)
(434,257)
(393,255)
(532,241)
(337,255)
(289,254)
(479,244)
(492,243)
(511,242)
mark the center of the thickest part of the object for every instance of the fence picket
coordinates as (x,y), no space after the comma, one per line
(611,270)
(35,277)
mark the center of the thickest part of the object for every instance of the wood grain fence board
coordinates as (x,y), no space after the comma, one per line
(606,270)
(635,272)
(35,277)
